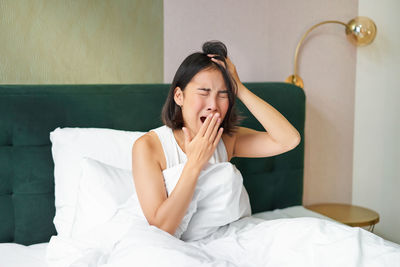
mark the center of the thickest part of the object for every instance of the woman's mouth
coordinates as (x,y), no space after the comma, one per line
(202,118)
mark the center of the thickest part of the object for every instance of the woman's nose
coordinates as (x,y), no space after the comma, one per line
(212,104)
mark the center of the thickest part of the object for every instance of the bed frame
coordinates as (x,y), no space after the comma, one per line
(29,112)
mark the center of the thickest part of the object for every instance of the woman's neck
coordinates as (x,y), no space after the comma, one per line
(180,139)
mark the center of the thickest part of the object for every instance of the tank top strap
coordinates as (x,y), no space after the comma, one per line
(220,154)
(172,152)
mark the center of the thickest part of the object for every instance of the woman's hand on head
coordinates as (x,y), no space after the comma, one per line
(201,147)
(229,65)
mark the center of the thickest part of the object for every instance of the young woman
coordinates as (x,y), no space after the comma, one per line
(200,127)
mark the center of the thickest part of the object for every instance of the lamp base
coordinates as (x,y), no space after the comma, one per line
(296,80)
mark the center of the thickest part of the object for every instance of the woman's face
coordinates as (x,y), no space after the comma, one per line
(206,93)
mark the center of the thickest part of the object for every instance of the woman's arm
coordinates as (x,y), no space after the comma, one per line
(160,210)
(280,135)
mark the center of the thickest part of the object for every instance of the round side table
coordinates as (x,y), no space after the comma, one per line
(348,214)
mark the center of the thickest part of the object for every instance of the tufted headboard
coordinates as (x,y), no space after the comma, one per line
(29,112)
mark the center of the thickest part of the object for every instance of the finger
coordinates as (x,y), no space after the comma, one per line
(215,130)
(204,127)
(220,62)
(216,141)
(216,56)
(211,126)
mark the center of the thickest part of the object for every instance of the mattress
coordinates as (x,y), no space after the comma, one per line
(15,255)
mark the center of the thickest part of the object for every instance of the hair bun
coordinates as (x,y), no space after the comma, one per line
(215,47)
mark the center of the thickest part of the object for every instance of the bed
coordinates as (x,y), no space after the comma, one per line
(29,113)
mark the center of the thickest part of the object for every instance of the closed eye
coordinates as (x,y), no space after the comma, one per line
(203,91)
(223,94)
(206,92)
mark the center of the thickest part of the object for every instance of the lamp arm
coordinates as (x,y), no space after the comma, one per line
(360,31)
(305,35)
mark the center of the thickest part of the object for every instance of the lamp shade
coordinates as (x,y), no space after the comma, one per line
(361,31)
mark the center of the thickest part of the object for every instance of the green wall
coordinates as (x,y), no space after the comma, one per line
(79,42)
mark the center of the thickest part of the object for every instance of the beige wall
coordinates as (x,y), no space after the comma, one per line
(327,65)
(376,180)
(88,41)
(261,36)
(241,25)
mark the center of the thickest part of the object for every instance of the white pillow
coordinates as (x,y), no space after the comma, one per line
(223,199)
(107,204)
(69,146)
(104,190)
(219,199)
(107,196)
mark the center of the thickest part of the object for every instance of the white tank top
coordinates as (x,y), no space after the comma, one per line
(174,154)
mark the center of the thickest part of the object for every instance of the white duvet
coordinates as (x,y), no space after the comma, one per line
(126,239)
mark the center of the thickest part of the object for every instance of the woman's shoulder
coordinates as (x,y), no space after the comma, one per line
(149,144)
(146,140)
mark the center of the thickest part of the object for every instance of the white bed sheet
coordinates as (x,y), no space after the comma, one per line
(291,212)
(15,255)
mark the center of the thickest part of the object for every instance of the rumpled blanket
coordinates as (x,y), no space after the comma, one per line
(128,240)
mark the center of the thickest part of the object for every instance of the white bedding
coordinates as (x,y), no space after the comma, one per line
(110,230)
(14,255)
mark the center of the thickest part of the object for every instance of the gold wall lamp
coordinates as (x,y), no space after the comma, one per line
(360,31)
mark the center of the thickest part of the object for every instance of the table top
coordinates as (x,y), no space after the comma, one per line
(348,214)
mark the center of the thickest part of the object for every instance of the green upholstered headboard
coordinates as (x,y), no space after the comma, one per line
(28,113)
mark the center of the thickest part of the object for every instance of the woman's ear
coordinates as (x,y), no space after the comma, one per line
(178,96)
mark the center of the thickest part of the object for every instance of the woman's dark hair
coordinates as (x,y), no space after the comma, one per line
(193,64)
